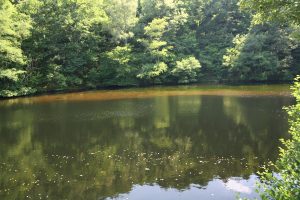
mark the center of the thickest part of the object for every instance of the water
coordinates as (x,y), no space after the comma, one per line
(195,142)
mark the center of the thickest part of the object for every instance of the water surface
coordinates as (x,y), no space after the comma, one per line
(192,142)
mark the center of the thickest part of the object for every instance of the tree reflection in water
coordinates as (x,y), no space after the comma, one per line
(103,149)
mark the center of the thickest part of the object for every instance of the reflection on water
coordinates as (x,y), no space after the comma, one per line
(157,147)
(214,190)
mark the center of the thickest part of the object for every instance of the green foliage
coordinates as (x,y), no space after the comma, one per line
(186,70)
(14,28)
(221,22)
(122,17)
(152,71)
(11,74)
(285,183)
(156,51)
(262,54)
(124,68)
(156,28)
(64,42)
(275,9)
(120,54)
(156,47)
(79,44)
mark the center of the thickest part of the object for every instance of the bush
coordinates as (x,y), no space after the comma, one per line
(285,183)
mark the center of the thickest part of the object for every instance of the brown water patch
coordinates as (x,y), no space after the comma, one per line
(102,95)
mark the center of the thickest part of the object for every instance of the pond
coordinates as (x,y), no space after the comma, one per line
(168,143)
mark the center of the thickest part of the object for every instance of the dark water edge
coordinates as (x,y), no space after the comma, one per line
(187,142)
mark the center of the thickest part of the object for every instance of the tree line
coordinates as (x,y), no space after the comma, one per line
(84,44)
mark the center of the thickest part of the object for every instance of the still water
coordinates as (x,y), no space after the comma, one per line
(163,143)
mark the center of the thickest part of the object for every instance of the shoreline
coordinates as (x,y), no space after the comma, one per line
(116,87)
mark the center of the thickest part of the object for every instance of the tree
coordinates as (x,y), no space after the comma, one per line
(152,71)
(14,28)
(156,50)
(151,9)
(65,43)
(265,53)
(122,15)
(80,44)
(125,69)
(275,9)
(221,21)
(186,70)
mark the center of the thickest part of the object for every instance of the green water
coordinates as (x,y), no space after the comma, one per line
(197,142)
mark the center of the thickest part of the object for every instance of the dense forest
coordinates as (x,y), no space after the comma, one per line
(85,44)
